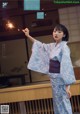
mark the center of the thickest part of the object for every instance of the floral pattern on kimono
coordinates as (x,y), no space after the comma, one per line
(41,54)
(39,61)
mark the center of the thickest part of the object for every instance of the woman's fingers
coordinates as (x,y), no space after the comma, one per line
(69,93)
(23,31)
(26,31)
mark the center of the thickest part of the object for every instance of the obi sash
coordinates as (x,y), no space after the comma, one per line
(54,66)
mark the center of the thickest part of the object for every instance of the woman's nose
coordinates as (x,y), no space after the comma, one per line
(56,32)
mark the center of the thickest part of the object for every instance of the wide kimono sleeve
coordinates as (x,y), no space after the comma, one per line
(66,68)
(39,60)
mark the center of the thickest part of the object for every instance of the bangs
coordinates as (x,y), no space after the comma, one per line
(58,27)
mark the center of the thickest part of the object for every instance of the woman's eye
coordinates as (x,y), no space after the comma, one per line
(59,31)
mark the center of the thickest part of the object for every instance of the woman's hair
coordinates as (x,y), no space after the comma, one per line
(65,31)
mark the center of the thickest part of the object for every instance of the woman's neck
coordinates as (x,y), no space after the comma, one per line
(57,42)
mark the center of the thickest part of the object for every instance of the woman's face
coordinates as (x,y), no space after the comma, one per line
(58,35)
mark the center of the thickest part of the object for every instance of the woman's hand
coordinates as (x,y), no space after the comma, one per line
(26,31)
(68,91)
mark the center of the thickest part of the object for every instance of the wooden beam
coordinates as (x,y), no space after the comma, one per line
(32,92)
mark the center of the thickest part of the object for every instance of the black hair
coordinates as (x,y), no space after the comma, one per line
(65,31)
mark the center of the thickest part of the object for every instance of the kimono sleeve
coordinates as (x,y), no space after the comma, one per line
(66,68)
(39,60)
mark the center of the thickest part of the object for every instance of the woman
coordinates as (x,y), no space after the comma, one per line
(54,59)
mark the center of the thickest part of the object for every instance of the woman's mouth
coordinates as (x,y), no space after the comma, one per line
(56,36)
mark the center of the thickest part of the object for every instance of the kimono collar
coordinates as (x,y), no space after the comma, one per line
(61,43)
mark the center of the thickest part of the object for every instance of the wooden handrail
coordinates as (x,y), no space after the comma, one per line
(32,92)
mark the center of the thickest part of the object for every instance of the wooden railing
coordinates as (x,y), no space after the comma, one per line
(35,99)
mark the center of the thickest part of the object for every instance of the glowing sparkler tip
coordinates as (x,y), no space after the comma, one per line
(10,25)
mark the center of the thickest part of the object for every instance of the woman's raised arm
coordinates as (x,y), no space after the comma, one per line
(26,31)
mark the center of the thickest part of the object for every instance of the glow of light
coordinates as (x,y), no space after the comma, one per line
(10,25)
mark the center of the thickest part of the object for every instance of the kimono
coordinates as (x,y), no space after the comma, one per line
(39,61)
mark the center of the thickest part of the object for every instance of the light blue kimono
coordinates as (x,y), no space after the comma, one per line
(39,61)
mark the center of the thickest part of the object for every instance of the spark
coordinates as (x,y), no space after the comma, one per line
(10,25)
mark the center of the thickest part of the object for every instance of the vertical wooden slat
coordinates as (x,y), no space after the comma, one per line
(45,110)
(13,108)
(72,104)
(39,108)
(9,108)
(78,103)
(48,108)
(36,109)
(51,106)
(10,111)
(33,107)
(30,107)
(42,106)
(75,104)
(27,107)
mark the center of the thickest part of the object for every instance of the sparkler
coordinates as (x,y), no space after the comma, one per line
(10,25)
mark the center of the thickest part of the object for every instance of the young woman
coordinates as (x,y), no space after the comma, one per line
(54,59)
